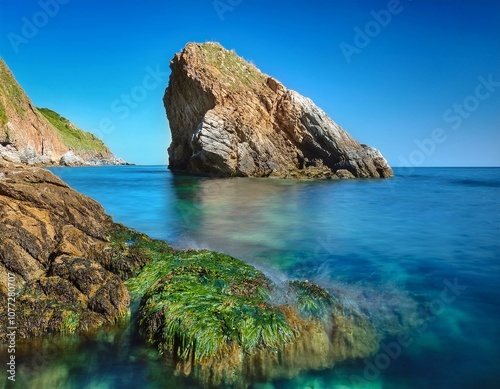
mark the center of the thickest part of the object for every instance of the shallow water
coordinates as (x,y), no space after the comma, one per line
(426,239)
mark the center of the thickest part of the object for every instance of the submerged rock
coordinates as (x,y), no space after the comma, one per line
(214,317)
(229,119)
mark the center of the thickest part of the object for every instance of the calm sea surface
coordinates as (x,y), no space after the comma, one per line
(427,238)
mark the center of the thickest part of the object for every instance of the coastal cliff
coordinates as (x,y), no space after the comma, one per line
(39,136)
(229,119)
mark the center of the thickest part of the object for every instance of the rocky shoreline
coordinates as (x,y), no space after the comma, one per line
(66,267)
(217,318)
(29,157)
(41,137)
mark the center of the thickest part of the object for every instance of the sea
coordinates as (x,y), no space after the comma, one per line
(421,248)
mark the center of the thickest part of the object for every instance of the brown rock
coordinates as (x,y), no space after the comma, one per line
(24,132)
(54,247)
(229,119)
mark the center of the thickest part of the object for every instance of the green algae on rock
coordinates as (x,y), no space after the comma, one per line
(214,317)
(312,301)
(206,302)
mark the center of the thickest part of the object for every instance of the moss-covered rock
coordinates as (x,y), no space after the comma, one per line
(312,301)
(205,303)
(214,317)
(129,251)
(53,255)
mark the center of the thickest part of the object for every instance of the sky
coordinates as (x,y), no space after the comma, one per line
(419,80)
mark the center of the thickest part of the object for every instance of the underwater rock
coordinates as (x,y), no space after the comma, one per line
(214,317)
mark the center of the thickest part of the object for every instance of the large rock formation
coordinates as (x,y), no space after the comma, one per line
(33,136)
(229,119)
(54,256)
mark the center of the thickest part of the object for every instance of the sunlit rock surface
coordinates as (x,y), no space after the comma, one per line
(53,241)
(229,119)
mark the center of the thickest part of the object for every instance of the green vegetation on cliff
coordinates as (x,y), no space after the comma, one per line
(12,92)
(39,135)
(235,70)
(74,138)
(3,114)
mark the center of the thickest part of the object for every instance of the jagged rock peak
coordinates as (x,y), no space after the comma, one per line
(227,118)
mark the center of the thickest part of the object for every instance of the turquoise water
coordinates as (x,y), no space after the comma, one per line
(422,248)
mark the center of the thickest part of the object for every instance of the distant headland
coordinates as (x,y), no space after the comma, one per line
(40,136)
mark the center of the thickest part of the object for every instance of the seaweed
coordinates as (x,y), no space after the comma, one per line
(208,302)
(311,300)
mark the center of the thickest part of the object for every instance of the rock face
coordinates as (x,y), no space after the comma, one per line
(229,119)
(33,136)
(53,256)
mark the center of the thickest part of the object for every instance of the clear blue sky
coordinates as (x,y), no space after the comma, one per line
(420,65)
